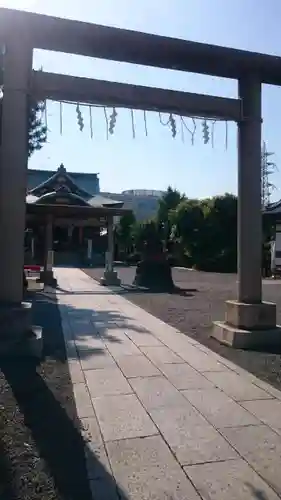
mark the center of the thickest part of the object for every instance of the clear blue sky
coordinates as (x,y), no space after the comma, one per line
(154,162)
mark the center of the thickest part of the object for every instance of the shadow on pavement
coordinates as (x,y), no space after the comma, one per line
(58,441)
(6,478)
(88,323)
(257,493)
(55,428)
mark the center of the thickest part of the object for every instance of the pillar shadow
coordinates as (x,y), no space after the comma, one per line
(87,323)
(6,478)
(185,292)
(49,412)
(125,289)
(127,285)
(58,438)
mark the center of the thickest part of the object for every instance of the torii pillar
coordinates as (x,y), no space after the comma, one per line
(16,333)
(110,276)
(47,275)
(249,322)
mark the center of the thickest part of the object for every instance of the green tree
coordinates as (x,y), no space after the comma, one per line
(37,130)
(125,231)
(169,201)
(148,236)
(204,233)
(221,232)
(187,222)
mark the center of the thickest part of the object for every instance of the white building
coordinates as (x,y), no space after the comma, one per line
(143,202)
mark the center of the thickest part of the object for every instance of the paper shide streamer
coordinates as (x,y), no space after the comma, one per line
(177,124)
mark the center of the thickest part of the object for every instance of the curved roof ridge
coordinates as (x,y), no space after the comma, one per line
(47,196)
(61,171)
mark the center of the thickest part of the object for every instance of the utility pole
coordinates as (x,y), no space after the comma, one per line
(267,169)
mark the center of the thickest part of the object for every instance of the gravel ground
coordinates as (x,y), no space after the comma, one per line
(203,302)
(41,449)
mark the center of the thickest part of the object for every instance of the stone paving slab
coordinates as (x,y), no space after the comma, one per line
(122,417)
(107,382)
(146,469)
(219,409)
(199,360)
(236,387)
(125,348)
(143,339)
(113,335)
(89,342)
(97,462)
(95,360)
(137,366)
(230,480)
(167,418)
(261,448)
(71,350)
(75,370)
(269,412)
(190,436)
(161,354)
(83,401)
(91,431)
(183,376)
(155,392)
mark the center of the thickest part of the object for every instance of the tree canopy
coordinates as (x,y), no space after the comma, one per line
(124,232)
(199,233)
(169,201)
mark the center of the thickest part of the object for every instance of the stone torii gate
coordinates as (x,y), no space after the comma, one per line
(249,321)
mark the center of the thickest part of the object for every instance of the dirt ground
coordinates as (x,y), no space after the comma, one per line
(203,302)
(41,449)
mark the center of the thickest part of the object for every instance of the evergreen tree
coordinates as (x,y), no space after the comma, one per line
(37,130)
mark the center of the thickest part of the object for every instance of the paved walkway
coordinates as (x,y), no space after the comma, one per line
(164,418)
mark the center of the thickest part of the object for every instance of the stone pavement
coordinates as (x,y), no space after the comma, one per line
(164,418)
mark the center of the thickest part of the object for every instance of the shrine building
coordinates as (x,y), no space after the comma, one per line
(67,210)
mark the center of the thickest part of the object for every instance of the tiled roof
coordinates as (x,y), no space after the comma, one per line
(60,187)
(96,201)
(87,182)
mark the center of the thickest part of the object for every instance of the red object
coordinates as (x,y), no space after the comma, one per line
(33,268)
